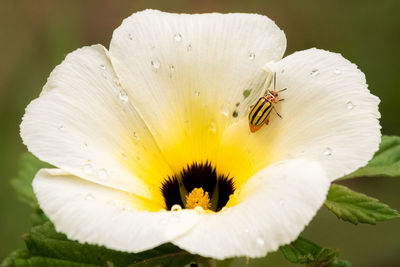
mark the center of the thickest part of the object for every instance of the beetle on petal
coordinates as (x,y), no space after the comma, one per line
(261,110)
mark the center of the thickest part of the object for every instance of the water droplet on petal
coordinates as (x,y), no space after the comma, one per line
(246,93)
(87,168)
(104,74)
(337,71)
(260,241)
(103,67)
(349,105)
(89,197)
(124,156)
(314,72)
(236,194)
(130,36)
(61,128)
(282,70)
(213,127)
(196,93)
(225,111)
(178,37)
(189,48)
(156,64)
(123,95)
(102,174)
(328,151)
(136,136)
(251,56)
(235,114)
(199,210)
(116,81)
(176,207)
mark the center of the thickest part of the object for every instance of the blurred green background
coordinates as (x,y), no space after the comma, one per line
(36,35)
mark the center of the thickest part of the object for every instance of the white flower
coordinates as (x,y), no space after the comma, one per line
(173,93)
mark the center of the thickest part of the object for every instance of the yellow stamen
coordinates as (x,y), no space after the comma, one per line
(198,198)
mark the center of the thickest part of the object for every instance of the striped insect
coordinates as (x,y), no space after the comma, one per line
(261,110)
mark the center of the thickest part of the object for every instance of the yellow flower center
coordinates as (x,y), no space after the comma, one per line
(198,198)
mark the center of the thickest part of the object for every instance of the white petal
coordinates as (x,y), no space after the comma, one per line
(329,115)
(95,214)
(81,125)
(187,72)
(276,204)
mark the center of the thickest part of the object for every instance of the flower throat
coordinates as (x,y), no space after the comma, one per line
(198,184)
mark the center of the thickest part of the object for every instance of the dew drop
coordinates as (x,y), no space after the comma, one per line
(337,72)
(251,56)
(212,127)
(176,207)
(282,70)
(236,194)
(225,111)
(89,197)
(102,66)
(260,241)
(171,68)
(235,114)
(124,156)
(189,48)
(116,81)
(314,72)
(130,37)
(123,95)
(156,64)
(246,93)
(61,128)
(104,75)
(136,136)
(196,93)
(199,210)
(102,174)
(87,168)
(178,37)
(349,105)
(328,152)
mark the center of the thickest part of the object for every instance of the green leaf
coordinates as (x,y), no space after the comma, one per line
(386,161)
(304,251)
(356,207)
(29,165)
(46,247)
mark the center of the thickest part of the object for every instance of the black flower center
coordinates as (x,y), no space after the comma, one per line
(177,189)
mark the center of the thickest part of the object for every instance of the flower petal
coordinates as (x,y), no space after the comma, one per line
(99,215)
(187,72)
(329,115)
(275,205)
(82,124)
